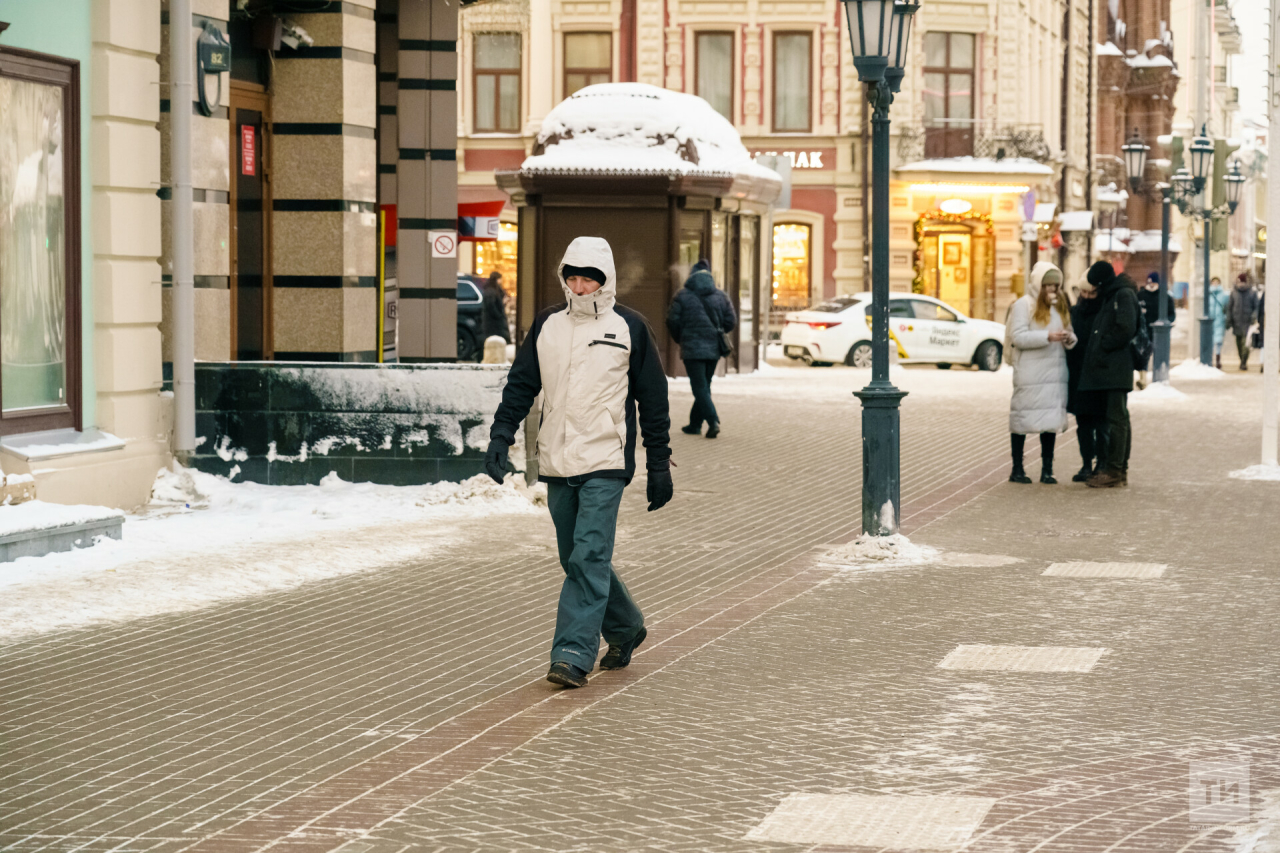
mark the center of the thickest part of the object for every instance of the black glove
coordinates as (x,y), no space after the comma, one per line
(495,460)
(660,488)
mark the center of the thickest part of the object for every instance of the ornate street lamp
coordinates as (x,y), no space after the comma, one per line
(879,36)
(1135,159)
(1201,159)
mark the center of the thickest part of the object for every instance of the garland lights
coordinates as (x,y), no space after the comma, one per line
(917,283)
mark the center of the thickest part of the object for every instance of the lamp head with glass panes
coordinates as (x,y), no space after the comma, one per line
(879,34)
(1135,159)
(1235,183)
(1201,159)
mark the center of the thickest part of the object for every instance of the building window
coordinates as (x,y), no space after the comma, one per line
(948,94)
(39,242)
(499,256)
(588,59)
(713,59)
(791,78)
(790,267)
(497,82)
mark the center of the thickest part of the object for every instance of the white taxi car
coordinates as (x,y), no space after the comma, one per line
(925,330)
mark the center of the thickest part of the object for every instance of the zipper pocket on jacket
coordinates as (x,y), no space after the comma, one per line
(608,343)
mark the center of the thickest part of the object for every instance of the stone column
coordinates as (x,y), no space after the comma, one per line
(324,211)
(427,179)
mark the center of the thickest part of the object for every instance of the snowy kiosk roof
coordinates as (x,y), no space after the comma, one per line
(637,138)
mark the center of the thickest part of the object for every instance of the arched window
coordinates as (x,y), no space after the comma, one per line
(792,268)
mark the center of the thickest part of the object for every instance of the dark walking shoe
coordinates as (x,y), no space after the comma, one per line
(1105,480)
(1046,477)
(1019,476)
(1083,474)
(619,656)
(691,430)
(713,430)
(566,675)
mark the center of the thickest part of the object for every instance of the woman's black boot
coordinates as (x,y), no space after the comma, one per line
(1047,440)
(1018,475)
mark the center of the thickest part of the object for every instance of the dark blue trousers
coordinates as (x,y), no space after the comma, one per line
(593,600)
(701,371)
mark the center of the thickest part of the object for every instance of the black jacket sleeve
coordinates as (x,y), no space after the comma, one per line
(524,381)
(1124,322)
(649,388)
(675,319)
(729,317)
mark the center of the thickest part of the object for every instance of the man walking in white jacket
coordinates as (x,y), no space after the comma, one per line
(596,364)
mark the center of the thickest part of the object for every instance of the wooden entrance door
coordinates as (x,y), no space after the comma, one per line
(250,223)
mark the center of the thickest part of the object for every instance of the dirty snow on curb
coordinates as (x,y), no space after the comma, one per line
(1262,834)
(204,539)
(1257,472)
(1194,369)
(879,553)
(1157,391)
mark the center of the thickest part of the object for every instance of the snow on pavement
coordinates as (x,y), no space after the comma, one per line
(204,539)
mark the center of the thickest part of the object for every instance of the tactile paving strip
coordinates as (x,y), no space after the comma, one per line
(1105,570)
(859,820)
(1023,658)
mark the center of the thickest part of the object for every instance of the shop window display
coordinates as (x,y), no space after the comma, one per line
(791,285)
(501,255)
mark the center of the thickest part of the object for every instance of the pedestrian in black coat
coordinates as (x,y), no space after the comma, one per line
(1108,365)
(1089,407)
(698,315)
(493,313)
(1149,299)
(1242,310)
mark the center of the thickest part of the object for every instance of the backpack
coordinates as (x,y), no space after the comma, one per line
(1010,356)
(1140,347)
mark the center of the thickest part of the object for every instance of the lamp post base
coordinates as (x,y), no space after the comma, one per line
(1160,331)
(1206,340)
(881,492)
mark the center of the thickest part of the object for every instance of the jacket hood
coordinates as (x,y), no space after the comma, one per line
(1037,279)
(590,252)
(701,283)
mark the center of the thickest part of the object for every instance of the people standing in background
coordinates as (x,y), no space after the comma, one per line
(1217,312)
(1108,367)
(699,318)
(1089,407)
(1242,310)
(493,312)
(1262,322)
(1149,300)
(1040,328)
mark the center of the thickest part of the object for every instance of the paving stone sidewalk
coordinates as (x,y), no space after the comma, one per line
(403,709)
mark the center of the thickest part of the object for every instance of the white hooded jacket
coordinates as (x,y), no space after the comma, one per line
(595,363)
(1039,401)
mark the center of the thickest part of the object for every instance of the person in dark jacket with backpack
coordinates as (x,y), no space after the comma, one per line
(1089,407)
(1109,364)
(699,319)
(1149,299)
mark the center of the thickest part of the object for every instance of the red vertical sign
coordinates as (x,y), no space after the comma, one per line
(248,150)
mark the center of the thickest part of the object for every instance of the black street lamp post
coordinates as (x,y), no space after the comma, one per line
(1201,164)
(1135,160)
(879,33)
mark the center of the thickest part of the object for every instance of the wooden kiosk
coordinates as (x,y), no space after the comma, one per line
(665,179)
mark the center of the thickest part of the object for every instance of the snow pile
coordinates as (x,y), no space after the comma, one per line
(1269,473)
(1157,391)
(1262,833)
(886,551)
(204,539)
(635,128)
(1194,369)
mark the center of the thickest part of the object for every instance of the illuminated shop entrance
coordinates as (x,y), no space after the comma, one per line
(791,267)
(955,263)
(500,255)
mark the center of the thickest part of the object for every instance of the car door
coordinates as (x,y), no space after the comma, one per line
(941,332)
(905,330)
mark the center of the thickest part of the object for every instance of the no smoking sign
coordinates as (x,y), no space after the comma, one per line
(444,244)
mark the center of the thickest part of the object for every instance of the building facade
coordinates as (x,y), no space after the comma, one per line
(993,118)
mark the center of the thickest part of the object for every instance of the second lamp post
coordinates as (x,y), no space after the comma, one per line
(880,33)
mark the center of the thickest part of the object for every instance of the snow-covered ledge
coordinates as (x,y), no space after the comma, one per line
(56,443)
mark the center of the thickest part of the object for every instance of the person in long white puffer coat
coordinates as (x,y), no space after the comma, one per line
(1039,330)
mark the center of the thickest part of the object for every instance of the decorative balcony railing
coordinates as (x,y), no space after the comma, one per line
(970,138)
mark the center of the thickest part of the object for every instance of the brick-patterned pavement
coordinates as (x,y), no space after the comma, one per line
(404,709)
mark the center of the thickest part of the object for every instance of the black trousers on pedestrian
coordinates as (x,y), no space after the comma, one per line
(1018,441)
(701,371)
(1092,436)
(1243,349)
(1121,434)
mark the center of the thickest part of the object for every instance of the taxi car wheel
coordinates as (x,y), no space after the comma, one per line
(859,355)
(988,356)
(944,365)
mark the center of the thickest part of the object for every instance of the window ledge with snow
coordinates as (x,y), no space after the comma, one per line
(56,443)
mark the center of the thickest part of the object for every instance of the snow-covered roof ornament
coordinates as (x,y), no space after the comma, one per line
(638,130)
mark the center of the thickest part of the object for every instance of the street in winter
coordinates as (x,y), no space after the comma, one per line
(657,425)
